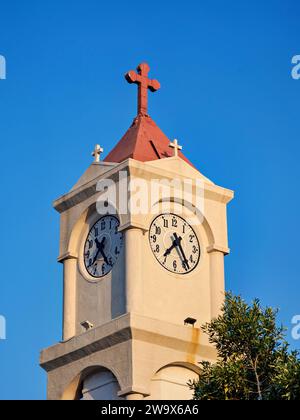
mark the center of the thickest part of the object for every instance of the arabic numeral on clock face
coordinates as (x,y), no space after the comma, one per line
(174,244)
(102,247)
(192,237)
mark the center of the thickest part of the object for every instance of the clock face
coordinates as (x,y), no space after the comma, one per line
(174,244)
(103,246)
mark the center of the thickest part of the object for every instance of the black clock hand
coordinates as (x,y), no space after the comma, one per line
(97,253)
(174,245)
(169,250)
(100,247)
(104,257)
(100,244)
(178,243)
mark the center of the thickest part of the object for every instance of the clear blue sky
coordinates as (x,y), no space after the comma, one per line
(227,94)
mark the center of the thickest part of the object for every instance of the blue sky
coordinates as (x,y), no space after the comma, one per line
(227,95)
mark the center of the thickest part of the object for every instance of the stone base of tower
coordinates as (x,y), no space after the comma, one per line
(132,357)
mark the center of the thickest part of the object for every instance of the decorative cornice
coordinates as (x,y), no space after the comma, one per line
(218,248)
(67,256)
(78,352)
(124,329)
(133,225)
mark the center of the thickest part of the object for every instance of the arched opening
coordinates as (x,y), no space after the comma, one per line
(171,382)
(94,383)
(100,385)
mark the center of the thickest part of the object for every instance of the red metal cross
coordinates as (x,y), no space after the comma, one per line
(144,83)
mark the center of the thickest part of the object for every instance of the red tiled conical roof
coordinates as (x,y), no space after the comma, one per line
(144,141)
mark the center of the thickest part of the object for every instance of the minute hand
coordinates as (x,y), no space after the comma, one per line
(178,242)
(104,256)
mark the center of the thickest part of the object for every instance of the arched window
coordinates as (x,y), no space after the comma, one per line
(100,384)
(171,383)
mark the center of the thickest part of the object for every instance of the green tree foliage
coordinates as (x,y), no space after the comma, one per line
(254,362)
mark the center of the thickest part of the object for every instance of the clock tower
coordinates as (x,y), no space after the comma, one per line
(143,239)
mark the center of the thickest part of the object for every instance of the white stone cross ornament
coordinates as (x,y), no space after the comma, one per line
(175,145)
(97,153)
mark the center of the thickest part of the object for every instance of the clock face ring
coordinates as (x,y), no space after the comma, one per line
(102,247)
(174,243)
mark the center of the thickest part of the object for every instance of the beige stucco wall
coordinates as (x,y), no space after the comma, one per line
(171,383)
(137,310)
(132,347)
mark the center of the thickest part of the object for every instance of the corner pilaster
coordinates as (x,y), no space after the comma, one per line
(133,268)
(69,305)
(217,278)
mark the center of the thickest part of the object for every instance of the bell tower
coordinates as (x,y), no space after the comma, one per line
(143,237)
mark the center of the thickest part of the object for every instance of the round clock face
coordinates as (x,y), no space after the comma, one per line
(174,243)
(103,246)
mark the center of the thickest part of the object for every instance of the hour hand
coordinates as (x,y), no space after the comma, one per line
(175,243)
(169,250)
(100,246)
(104,256)
(99,250)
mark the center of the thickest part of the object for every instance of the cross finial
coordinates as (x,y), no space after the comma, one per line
(144,83)
(97,153)
(175,145)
